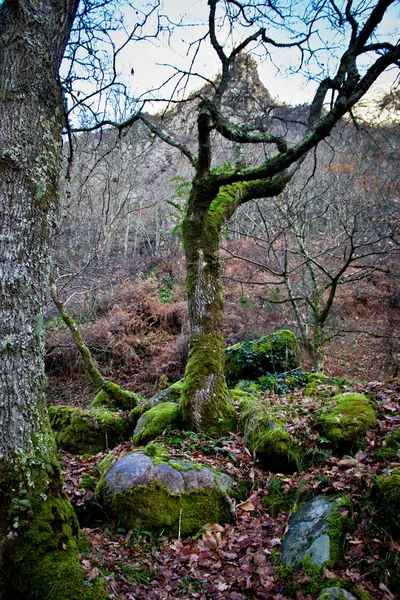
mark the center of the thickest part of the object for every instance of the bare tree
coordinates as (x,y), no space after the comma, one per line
(361,55)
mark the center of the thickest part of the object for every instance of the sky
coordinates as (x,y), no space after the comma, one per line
(294,89)
(143,64)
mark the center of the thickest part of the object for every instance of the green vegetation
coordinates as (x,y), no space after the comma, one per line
(266,437)
(153,422)
(114,397)
(274,353)
(87,432)
(153,508)
(346,419)
(390,451)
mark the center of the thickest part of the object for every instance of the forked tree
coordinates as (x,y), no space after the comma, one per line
(355,62)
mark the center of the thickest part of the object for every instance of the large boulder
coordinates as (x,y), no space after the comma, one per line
(316,532)
(346,419)
(273,353)
(160,494)
(153,422)
(87,431)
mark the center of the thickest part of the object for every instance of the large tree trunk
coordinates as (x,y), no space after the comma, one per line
(205,404)
(39,555)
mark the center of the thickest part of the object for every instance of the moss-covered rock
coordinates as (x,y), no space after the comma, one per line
(389,488)
(346,418)
(114,397)
(161,494)
(274,353)
(266,437)
(153,422)
(322,385)
(87,432)
(316,532)
(169,394)
(390,450)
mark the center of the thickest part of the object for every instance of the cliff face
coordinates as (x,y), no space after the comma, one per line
(117,206)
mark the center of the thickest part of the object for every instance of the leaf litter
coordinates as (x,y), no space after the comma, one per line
(240,561)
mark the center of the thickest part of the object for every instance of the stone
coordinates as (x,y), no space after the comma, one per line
(316,531)
(87,431)
(335,593)
(346,419)
(164,494)
(273,353)
(153,422)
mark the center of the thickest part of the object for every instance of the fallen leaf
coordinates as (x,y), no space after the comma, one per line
(247,505)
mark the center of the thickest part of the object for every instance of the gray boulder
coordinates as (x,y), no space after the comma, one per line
(316,531)
(159,494)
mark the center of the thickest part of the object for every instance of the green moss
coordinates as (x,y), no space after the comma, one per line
(41,556)
(153,422)
(266,436)
(114,397)
(389,486)
(87,432)
(306,578)
(156,450)
(339,523)
(105,464)
(274,353)
(347,418)
(86,483)
(277,500)
(154,508)
(205,403)
(390,451)
(322,385)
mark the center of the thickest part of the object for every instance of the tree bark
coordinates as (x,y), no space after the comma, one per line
(38,528)
(205,405)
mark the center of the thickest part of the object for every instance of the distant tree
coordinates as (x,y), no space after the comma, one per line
(335,231)
(356,53)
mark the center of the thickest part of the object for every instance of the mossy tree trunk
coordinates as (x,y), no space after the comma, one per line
(39,555)
(216,195)
(205,404)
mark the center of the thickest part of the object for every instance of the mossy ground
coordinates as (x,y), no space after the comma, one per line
(266,436)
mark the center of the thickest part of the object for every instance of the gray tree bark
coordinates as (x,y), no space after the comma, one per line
(38,528)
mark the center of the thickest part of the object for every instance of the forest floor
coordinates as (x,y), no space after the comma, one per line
(241,560)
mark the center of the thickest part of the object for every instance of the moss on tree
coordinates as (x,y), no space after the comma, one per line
(41,554)
(114,397)
(204,377)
